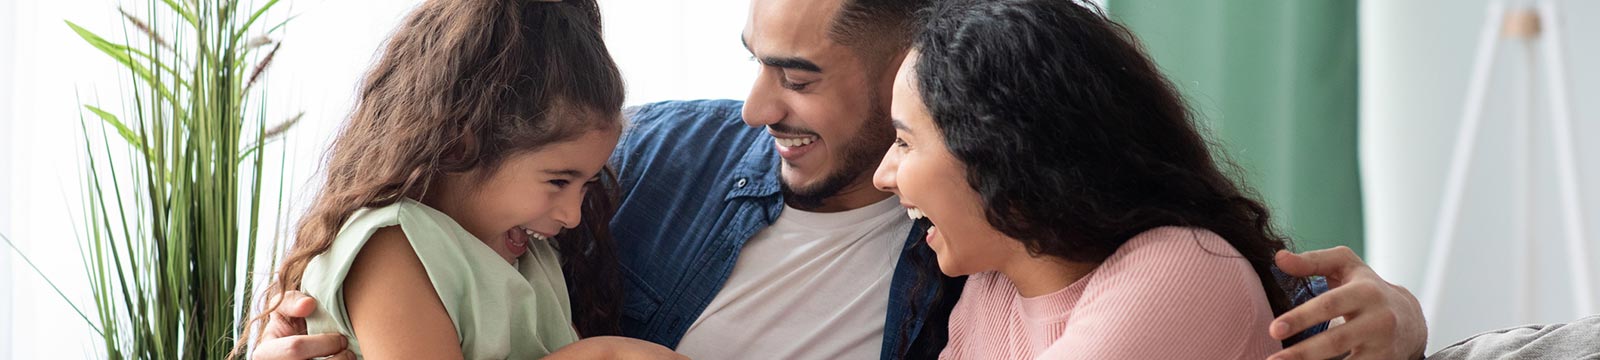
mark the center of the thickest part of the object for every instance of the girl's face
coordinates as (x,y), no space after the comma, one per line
(532,196)
(931,183)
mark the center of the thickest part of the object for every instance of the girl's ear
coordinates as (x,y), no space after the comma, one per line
(463,154)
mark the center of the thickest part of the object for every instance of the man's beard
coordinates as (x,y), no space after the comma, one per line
(860,155)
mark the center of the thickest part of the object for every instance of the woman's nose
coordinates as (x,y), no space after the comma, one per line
(884,178)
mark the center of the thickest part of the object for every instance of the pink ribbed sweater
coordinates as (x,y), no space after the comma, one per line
(1169,293)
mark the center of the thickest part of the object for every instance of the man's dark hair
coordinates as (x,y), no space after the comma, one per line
(875,29)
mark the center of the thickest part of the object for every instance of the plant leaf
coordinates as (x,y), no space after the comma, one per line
(188,16)
(122,129)
(253,16)
(122,54)
(52,284)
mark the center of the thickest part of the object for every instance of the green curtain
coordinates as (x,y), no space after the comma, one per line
(1275,82)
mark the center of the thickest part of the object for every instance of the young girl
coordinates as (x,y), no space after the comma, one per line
(1064,174)
(466,192)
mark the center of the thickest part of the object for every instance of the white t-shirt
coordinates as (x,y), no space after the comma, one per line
(811,286)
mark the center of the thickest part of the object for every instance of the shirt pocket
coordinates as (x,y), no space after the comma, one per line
(640,304)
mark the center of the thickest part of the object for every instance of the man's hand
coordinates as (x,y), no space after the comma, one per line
(285,336)
(1382,320)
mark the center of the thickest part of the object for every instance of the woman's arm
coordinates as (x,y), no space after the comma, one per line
(394,310)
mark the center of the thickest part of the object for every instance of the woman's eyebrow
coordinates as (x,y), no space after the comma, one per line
(901,125)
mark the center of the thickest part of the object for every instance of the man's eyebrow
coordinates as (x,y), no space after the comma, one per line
(785,62)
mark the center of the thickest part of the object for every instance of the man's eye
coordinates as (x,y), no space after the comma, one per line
(793,85)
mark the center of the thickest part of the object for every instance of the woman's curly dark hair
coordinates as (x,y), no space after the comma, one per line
(1073,138)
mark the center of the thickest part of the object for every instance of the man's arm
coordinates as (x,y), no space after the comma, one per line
(1382,320)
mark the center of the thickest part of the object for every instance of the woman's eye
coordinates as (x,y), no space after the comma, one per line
(560,183)
(900,143)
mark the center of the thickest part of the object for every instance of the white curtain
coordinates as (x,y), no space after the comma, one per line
(668,49)
(1416,59)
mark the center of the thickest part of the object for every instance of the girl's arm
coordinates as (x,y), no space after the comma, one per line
(614,347)
(394,310)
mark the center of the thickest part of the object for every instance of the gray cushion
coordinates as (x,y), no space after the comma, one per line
(1576,340)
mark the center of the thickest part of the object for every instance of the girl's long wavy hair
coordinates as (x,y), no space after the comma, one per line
(1074,139)
(462,85)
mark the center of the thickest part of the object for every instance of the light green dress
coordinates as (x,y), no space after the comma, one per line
(499,311)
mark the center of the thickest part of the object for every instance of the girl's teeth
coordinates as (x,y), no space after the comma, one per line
(534,235)
(915,213)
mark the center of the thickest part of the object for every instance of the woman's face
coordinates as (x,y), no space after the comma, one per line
(532,196)
(931,183)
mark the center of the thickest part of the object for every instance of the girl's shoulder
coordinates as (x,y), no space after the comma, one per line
(444,248)
(414,217)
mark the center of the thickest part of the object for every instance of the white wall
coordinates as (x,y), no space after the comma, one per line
(7,47)
(1416,58)
(48,69)
(668,49)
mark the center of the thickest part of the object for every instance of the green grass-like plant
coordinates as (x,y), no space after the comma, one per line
(173,186)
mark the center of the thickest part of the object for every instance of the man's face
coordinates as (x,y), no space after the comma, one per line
(819,99)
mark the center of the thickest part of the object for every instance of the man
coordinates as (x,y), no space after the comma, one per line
(752,230)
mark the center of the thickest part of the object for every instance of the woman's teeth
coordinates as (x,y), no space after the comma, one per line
(915,213)
(795,142)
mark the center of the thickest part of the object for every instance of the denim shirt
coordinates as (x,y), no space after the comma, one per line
(696,182)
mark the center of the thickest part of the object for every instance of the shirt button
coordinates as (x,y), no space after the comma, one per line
(740,183)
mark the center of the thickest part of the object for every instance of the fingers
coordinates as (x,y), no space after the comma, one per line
(1359,333)
(1341,301)
(343,355)
(301,347)
(296,305)
(279,326)
(288,318)
(1332,263)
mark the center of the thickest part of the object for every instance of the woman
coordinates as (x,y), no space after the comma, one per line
(1063,173)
